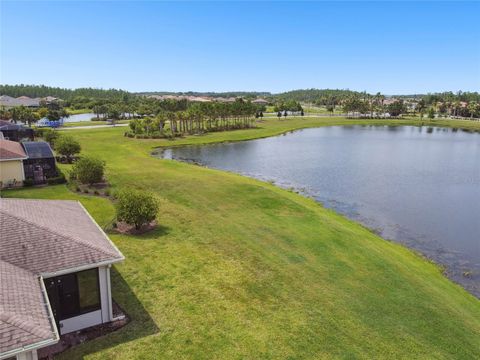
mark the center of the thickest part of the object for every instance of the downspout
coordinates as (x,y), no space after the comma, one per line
(109,294)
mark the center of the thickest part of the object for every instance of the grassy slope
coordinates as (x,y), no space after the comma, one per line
(242,269)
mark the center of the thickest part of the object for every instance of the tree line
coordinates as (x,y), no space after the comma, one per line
(197,118)
(40,91)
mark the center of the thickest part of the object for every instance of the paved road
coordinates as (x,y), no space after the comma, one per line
(91,127)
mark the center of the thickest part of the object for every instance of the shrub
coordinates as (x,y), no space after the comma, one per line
(50,136)
(106,192)
(95,192)
(136,207)
(59,179)
(39,132)
(77,189)
(67,146)
(28,182)
(56,180)
(85,191)
(88,170)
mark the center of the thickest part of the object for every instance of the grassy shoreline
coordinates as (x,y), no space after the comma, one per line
(243,269)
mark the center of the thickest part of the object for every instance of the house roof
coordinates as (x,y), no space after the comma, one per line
(7,125)
(42,238)
(25,318)
(10,150)
(260,101)
(6,100)
(49,236)
(37,149)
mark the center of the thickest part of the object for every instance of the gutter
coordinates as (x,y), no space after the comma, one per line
(43,343)
(81,268)
(13,159)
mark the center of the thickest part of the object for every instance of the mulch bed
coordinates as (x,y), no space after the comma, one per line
(78,337)
(124,228)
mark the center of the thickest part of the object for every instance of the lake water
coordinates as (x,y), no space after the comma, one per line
(417,186)
(79,117)
(71,118)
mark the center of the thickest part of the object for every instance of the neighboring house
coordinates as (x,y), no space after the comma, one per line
(261,102)
(15,132)
(40,162)
(8,101)
(12,155)
(54,274)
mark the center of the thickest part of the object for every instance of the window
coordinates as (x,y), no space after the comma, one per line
(74,294)
(88,291)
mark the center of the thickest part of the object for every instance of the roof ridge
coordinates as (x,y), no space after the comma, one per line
(24,323)
(79,241)
(30,272)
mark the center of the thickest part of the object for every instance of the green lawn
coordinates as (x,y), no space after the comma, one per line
(91,122)
(241,269)
(78,111)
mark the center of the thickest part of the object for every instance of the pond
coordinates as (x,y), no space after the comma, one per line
(80,117)
(415,185)
(71,118)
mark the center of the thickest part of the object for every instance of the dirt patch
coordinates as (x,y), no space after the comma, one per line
(124,228)
(79,337)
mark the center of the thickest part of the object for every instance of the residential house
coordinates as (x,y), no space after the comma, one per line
(55,266)
(8,101)
(40,162)
(15,132)
(12,155)
(30,160)
(262,102)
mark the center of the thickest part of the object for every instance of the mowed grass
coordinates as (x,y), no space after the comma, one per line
(240,269)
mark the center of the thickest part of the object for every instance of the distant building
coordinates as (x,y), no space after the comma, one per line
(15,132)
(260,102)
(30,160)
(226,100)
(8,101)
(12,155)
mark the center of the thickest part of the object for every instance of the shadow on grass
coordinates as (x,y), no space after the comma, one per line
(153,234)
(141,324)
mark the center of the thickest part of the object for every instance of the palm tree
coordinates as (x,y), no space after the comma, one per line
(472,108)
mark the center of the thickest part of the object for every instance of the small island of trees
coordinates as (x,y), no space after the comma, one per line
(197,118)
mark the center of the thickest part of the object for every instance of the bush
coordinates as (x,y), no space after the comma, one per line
(39,132)
(59,179)
(67,146)
(28,182)
(106,192)
(88,170)
(50,136)
(85,191)
(77,189)
(56,180)
(95,192)
(136,207)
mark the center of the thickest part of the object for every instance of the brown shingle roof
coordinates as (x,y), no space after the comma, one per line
(41,237)
(24,315)
(11,150)
(47,236)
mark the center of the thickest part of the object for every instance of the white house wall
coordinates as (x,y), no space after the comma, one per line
(80,322)
(105,295)
(28,355)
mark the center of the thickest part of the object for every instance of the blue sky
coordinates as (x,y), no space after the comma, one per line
(392,47)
